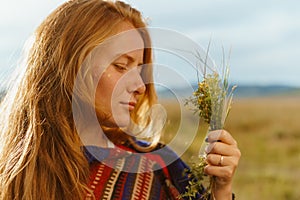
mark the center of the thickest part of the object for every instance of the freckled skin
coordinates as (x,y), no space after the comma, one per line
(120,83)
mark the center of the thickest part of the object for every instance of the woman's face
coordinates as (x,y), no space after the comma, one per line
(120,83)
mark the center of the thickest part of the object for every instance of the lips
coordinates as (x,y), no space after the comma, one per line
(131,105)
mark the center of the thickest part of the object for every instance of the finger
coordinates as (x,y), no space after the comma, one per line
(221,161)
(221,135)
(218,160)
(222,149)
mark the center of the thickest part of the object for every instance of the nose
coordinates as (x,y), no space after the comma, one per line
(137,85)
(140,89)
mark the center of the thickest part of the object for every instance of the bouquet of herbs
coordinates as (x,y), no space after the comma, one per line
(212,101)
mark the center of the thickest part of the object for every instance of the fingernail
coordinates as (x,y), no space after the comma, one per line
(206,139)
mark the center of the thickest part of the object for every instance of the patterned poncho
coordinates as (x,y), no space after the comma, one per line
(123,173)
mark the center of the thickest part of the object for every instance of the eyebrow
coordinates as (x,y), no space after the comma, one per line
(131,59)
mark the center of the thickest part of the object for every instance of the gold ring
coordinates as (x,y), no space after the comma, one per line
(221,161)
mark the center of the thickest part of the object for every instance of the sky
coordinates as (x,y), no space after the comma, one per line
(264,36)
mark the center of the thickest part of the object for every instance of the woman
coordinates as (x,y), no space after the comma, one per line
(81,68)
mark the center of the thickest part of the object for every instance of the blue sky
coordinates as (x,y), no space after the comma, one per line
(264,35)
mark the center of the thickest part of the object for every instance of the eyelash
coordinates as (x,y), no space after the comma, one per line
(122,67)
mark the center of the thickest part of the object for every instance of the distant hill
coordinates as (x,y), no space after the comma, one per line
(242,91)
(256,91)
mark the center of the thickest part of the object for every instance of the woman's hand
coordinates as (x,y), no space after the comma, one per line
(222,159)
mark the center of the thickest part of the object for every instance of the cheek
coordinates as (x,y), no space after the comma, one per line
(107,89)
(103,91)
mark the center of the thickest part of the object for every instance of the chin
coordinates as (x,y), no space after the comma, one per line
(122,123)
(119,122)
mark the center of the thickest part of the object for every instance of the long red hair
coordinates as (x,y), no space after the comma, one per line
(41,154)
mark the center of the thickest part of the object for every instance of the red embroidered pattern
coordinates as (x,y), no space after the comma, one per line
(117,183)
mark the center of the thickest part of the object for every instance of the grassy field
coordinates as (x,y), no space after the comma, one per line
(268,133)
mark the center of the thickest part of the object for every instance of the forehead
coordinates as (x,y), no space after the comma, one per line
(126,40)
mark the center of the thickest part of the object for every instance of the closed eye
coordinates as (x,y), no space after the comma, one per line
(120,67)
